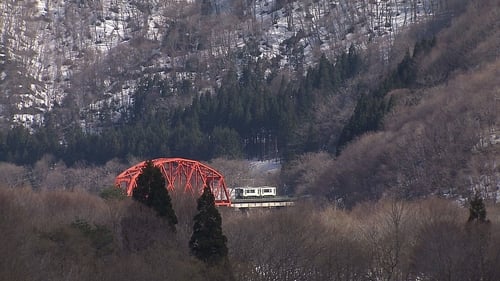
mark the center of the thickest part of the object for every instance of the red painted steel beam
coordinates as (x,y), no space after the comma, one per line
(189,175)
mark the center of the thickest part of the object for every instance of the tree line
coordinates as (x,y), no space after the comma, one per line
(207,242)
(253,114)
(372,107)
(62,235)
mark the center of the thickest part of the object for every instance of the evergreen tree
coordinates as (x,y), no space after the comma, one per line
(208,243)
(368,116)
(225,142)
(405,74)
(151,191)
(354,62)
(371,109)
(477,210)
(207,7)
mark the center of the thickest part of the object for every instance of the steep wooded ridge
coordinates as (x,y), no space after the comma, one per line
(442,135)
(354,109)
(87,59)
(365,129)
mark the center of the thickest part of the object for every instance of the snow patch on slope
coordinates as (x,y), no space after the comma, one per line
(51,41)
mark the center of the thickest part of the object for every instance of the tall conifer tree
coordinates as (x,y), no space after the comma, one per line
(151,191)
(208,243)
(477,210)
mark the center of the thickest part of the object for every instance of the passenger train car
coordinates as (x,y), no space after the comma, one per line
(254,192)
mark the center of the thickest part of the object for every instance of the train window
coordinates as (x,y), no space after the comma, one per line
(267,190)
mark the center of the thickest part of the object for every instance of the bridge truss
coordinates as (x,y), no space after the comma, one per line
(188,176)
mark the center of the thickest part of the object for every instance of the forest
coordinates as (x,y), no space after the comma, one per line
(61,235)
(408,125)
(252,116)
(393,159)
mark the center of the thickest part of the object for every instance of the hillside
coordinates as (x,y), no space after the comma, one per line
(73,235)
(390,144)
(85,60)
(442,135)
(387,113)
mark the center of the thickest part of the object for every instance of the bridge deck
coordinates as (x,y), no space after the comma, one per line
(262,202)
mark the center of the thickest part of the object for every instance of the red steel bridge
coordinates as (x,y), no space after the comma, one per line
(188,176)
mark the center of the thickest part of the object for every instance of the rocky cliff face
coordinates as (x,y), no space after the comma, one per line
(87,57)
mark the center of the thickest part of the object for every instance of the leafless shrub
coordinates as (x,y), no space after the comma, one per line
(13,176)
(302,173)
(469,42)
(431,143)
(44,236)
(235,172)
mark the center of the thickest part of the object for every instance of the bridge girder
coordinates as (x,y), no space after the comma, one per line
(180,173)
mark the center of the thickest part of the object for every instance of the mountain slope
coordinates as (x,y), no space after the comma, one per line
(87,58)
(442,136)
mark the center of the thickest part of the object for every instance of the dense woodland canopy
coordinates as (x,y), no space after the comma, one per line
(251,116)
(256,115)
(61,235)
(384,157)
(407,125)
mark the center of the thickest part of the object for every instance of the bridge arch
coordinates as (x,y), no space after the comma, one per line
(180,174)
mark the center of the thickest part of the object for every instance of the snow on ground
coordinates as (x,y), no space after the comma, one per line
(57,46)
(265,167)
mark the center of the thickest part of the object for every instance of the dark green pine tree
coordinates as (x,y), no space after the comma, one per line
(151,191)
(477,210)
(207,243)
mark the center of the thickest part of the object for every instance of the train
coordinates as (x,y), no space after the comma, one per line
(253,192)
